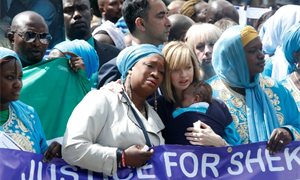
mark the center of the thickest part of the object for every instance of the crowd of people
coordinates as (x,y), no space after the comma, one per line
(143,74)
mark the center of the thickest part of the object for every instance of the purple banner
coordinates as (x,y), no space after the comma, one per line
(169,162)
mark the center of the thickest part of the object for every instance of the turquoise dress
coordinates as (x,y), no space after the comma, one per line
(289,84)
(283,103)
(24,127)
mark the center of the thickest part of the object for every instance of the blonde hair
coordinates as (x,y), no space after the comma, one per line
(204,32)
(177,55)
(188,8)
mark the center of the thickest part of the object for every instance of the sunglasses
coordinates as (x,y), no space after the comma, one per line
(30,37)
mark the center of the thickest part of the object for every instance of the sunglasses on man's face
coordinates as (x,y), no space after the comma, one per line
(30,37)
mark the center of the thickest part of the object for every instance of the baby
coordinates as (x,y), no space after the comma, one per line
(196,97)
(198,104)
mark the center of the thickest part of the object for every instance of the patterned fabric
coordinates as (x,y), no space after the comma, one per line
(230,64)
(289,84)
(288,116)
(23,126)
(121,24)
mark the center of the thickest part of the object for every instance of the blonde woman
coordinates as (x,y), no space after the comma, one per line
(181,71)
(201,38)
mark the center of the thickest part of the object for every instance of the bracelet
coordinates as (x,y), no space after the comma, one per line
(119,153)
(123,159)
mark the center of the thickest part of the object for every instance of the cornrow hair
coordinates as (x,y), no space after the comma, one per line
(188,8)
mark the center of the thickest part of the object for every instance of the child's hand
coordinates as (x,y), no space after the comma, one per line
(75,62)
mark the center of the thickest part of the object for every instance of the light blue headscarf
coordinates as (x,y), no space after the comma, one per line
(277,25)
(230,63)
(291,44)
(131,55)
(85,51)
(5,52)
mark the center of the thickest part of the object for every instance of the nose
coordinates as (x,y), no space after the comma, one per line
(207,49)
(76,14)
(37,41)
(182,73)
(18,84)
(261,55)
(168,22)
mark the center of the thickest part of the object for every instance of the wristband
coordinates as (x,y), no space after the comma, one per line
(119,153)
(123,159)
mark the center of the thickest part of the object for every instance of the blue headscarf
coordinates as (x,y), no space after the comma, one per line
(5,52)
(230,64)
(85,51)
(291,44)
(131,55)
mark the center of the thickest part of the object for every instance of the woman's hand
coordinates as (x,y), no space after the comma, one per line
(204,136)
(75,61)
(136,157)
(54,150)
(280,137)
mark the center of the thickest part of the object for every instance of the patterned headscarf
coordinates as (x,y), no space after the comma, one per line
(85,51)
(230,64)
(5,52)
(129,56)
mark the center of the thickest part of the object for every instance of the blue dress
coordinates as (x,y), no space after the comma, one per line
(24,127)
(283,103)
(289,84)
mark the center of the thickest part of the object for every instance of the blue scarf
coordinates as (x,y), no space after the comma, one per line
(85,51)
(230,63)
(5,52)
(129,56)
(290,45)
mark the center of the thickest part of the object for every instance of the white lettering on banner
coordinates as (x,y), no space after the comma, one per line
(258,160)
(168,163)
(195,164)
(211,165)
(140,174)
(53,172)
(183,164)
(32,167)
(270,160)
(291,156)
(239,165)
(90,175)
(69,173)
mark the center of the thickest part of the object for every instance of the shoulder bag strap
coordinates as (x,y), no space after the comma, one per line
(138,118)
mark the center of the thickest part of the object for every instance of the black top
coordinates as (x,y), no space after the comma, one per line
(217,117)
